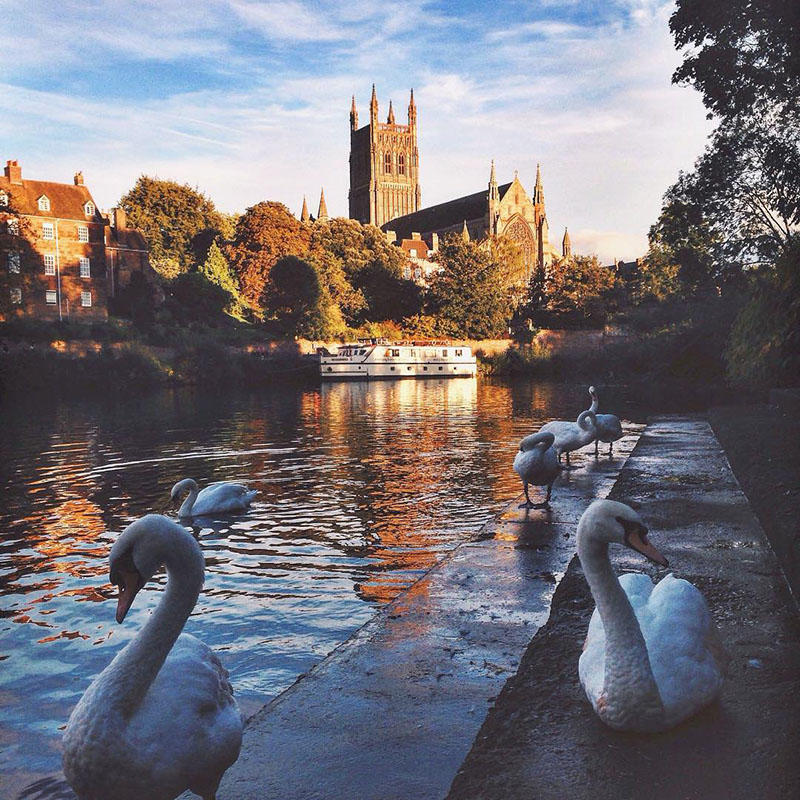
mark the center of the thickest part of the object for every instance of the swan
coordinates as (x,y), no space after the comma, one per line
(222,497)
(571,436)
(161,717)
(609,428)
(536,462)
(652,655)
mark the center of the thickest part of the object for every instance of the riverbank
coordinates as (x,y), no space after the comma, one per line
(543,740)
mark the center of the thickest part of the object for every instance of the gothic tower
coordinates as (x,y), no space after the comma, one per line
(384,165)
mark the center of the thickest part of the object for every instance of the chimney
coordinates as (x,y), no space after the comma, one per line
(13,171)
(78,179)
(119,218)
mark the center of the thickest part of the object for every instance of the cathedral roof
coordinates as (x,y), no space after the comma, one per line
(445,215)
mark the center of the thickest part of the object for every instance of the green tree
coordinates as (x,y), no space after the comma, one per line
(266,232)
(170,216)
(192,298)
(468,296)
(137,301)
(578,285)
(296,301)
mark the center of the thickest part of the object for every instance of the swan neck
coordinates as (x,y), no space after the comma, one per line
(595,405)
(587,420)
(187,505)
(628,673)
(135,668)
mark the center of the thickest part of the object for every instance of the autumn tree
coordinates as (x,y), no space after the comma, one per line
(170,216)
(264,233)
(468,296)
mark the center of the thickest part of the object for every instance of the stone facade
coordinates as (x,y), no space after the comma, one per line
(60,258)
(384,165)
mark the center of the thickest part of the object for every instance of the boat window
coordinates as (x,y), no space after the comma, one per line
(395,352)
(458,352)
(361,352)
(444,353)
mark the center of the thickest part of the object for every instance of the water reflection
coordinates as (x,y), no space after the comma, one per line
(363,486)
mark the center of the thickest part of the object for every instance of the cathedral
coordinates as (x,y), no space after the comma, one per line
(385,191)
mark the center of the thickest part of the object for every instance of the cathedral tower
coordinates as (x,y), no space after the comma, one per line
(384,165)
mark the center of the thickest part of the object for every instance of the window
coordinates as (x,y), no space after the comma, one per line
(387,162)
(44,203)
(407,273)
(50,265)
(83,233)
(413,252)
(401,164)
(458,353)
(13,261)
(16,296)
(444,353)
(50,297)
(86,299)
(3,199)
(89,209)
(12,226)
(48,231)
(85,268)
(395,353)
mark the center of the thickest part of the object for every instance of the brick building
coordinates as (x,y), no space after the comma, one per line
(60,258)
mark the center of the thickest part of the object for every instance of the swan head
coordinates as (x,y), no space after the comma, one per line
(186,485)
(616,523)
(142,549)
(592,391)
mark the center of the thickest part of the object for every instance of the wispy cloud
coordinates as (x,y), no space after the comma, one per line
(249,100)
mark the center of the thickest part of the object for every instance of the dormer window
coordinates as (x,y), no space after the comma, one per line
(89,209)
(3,199)
(44,203)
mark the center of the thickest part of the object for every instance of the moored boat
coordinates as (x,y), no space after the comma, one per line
(381,358)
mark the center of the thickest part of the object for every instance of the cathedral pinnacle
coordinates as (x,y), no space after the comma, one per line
(538,191)
(390,118)
(353,115)
(492,178)
(465,232)
(566,245)
(373,104)
(304,215)
(412,110)
(322,214)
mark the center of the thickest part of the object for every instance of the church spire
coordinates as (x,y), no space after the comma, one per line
(566,245)
(353,115)
(465,232)
(322,214)
(390,118)
(304,215)
(412,110)
(373,105)
(538,191)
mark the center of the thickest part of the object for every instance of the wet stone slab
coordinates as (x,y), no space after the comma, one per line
(393,711)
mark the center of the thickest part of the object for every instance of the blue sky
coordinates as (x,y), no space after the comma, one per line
(249,100)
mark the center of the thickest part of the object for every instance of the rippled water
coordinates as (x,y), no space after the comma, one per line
(363,486)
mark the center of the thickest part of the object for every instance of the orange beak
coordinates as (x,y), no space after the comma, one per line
(130,585)
(637,540)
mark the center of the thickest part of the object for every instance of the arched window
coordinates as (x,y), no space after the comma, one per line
(3,199)
(401,164)
(387,162)
(44,203)
(89,208)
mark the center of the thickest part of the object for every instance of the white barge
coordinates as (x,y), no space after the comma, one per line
(380,358)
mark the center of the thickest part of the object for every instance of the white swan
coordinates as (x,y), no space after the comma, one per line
(609,428)
(217,498)
(572,435)
(536,462)
(161,717)
(652,656)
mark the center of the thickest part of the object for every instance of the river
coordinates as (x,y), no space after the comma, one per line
(363,487)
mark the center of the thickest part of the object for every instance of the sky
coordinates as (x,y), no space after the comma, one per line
(249,100)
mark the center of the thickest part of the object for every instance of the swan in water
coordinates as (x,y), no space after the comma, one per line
(161,718)
(222,497)
(571,436)
(536,462)
(652,655)
(609,428)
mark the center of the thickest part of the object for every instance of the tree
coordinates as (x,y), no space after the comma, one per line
(295,300)
(22,263)
(468,296)
(578,285)
(193,298)
(137,301)
(170,215)
(264,233)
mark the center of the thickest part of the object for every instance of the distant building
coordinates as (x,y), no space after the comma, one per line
(421,263)
(60,257)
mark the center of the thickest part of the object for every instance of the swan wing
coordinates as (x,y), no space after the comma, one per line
(188,728)
(222,497)
(609,428)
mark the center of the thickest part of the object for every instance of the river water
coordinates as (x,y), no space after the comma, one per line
(363,486)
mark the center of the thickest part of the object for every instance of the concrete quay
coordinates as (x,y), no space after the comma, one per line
(393,711)
(542,740)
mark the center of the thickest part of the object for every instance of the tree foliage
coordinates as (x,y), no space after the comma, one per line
(264,233)
(191,297)
(170,216)
(468,296)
